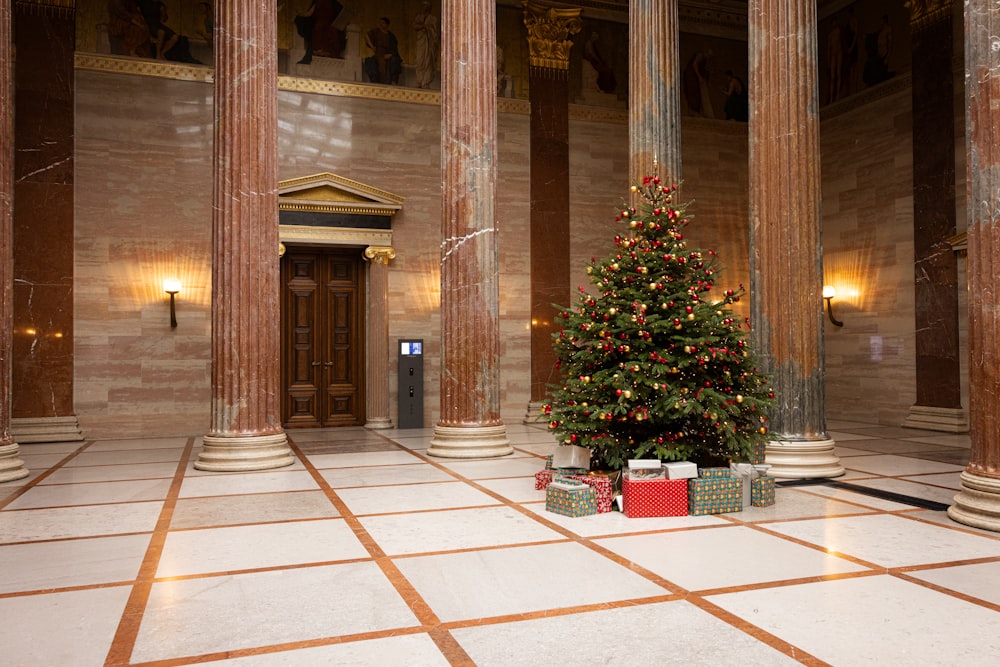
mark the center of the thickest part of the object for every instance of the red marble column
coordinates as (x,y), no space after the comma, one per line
(935,265)
(246,431)
(377,338)
(42,407)
(11,467)
(470,424)
(785,242)
(654,90)
(978,504)
(549,45)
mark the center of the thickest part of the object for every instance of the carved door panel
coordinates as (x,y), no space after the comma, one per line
(322,338)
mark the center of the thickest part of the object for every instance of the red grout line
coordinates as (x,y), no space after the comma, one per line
(992,606)
(128,627)
(33,483)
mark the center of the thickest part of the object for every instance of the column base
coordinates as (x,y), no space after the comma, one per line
(244,453)
(476,442)
(949,420)
(378,423)
(11,467)
(533,413)
(46,429)
(978,503)
(803,459)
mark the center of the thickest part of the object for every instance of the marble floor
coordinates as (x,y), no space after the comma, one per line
(368,552)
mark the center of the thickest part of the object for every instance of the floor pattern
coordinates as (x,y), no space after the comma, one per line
(367,551)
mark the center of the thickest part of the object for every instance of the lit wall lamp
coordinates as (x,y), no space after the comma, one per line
(828,293)
(172,286)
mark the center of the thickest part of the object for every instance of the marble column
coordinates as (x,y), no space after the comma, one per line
(935,271)
(246,431)
(11,467)
(549,30)
(654,90)
(42,409)
(978,504)
(377,338)
(470,424)
(786,269)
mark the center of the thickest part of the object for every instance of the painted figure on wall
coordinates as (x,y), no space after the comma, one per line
(167,43)
(428,33)
(694,82)
(319,34)
(128,33)
(606,81)
(205,23)
(737,99)
(385,64)
(878,48)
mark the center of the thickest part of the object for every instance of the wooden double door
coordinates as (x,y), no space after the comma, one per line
(322,337)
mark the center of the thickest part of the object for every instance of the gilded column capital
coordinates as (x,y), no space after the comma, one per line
(926,12)
(549,29)
(380,254)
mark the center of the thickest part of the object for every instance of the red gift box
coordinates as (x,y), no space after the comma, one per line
(655,497)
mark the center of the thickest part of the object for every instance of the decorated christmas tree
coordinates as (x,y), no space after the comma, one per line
(655,362)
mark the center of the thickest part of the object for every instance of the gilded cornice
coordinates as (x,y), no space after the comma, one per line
(334,235)
(549,29)
(156,68)
(924,13)
(329,193)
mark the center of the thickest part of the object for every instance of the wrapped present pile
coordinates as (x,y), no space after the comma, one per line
(570,498)
(715,491)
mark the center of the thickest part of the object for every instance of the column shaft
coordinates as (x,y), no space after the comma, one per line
(470,424)
(785,240)
(549,46)
(377,338)
(979,502)
(935,265)
(246,431)
(654,90)
(11,467)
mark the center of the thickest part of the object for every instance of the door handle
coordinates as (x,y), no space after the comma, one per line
(328,364)
(317,363)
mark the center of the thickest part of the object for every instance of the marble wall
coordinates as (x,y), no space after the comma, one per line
(143,213)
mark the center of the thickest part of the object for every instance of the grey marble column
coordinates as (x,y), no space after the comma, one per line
(246,431)
(978,504)
(654,90)
(786,264)
(11,467)
(377,338)
(470,424)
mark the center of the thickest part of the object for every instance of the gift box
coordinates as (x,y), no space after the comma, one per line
(548,462)
(571,456)
(745,472)
(714,472)
(603,485)
(542,479)
(654,497)
(715,494)
(560,498)
(758,452)
(680,470)
(762,492)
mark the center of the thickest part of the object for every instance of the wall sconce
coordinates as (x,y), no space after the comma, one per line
(172,286)
(828,293)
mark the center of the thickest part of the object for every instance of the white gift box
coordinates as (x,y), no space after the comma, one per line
(681,470)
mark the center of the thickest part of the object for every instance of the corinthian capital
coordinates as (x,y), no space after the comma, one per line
(926,12)
(549,29)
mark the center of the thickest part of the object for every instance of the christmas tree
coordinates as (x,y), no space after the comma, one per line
(655,362)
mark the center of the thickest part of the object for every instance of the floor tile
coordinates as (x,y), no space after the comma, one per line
(40,461)
(256,508)
(92,493)
(110,473)
(890,464)
(137,443)
(878,620)
(980,581)
(951,439)
(722,557)
(455,529)
(883,446)
(855,498)
(624,636)
(559,575)
(413,498)
(515,489)
(523,466)
(188,617)
(616,523)
(259,546)
(103,458)
(68,628)
(340,478)
(413,649)
(911,486)
(65,522)
(890,540)
(65,563)
(247,483)
(851,451)
(361,459)
(796,504)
